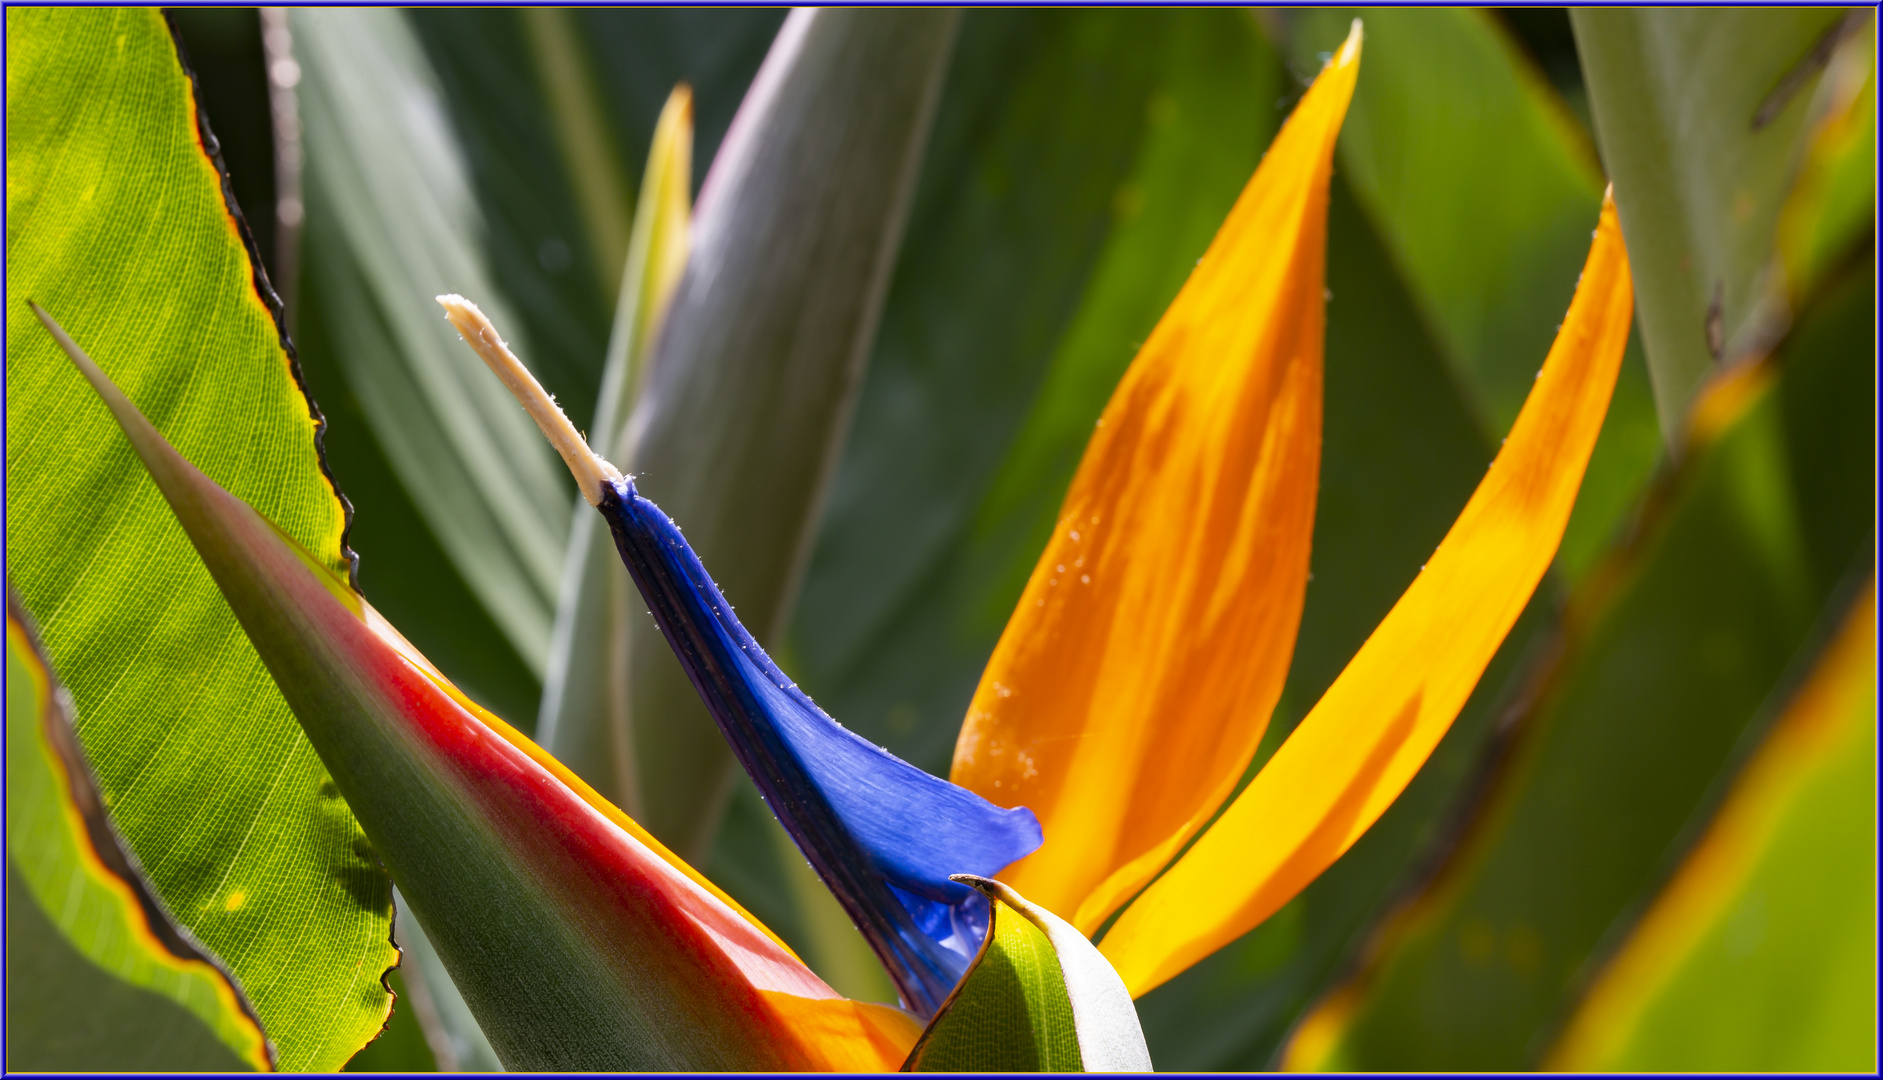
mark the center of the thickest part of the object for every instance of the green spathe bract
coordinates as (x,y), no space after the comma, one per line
(1039,998)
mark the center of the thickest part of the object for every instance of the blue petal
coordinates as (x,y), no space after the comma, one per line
(883,834)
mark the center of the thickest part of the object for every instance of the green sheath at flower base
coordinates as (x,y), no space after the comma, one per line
(1039,998)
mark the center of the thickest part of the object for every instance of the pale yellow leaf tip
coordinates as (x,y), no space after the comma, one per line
(1349,52)
(591,470)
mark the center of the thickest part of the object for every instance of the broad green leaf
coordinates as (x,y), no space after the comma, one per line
(116,222)
(755,375)
(1700,115)
(634,961)
(1483,186)
(1038,998)
(392,221)
(99,975)
(1760,954)
(1671,648)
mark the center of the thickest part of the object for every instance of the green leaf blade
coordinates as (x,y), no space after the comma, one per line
(1760,954)
(208,778)
(99,976)
(1673,650)
(392,221)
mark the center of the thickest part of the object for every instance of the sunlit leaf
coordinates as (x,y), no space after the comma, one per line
(100,978)
(1760,954)
(1701,115)
(1672,647)
(116,221)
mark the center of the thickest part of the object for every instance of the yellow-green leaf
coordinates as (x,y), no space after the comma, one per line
(1760,954)
(99,976)
(116,223)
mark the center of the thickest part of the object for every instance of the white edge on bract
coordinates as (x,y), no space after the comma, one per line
(1110,1038)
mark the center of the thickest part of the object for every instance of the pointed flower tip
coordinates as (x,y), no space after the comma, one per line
(1350,49)
(590,469)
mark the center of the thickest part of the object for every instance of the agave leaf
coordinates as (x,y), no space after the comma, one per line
(634,960)
(1671,650)
(754,377)
(100,977)
(1038,998)
(117,218)
(1701,116)
(1760,954)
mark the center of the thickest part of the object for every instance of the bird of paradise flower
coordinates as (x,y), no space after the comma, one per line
(1123,703)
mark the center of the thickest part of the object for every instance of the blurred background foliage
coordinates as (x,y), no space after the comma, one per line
(1078,163)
